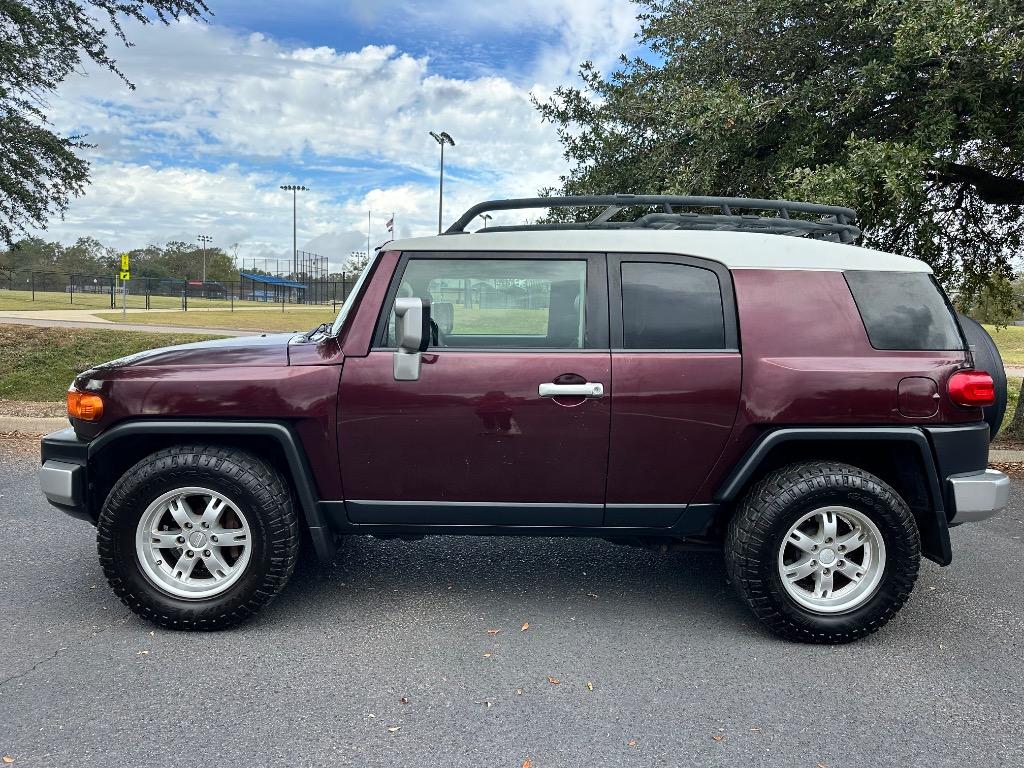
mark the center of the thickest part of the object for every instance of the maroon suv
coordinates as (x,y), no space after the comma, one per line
(672,371)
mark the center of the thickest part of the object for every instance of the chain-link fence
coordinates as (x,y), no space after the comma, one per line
(47,290)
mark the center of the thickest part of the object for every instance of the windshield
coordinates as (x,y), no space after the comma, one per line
(352,296)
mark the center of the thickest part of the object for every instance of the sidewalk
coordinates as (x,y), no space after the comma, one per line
(7,319)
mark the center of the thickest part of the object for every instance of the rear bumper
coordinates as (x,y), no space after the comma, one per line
(977,495)
(63,477)
(970,490)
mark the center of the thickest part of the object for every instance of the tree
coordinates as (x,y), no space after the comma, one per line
(357,262)
(41,43)
(911,111)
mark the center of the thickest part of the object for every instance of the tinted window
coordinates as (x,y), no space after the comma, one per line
(495,303)
(671,306)
(904,310)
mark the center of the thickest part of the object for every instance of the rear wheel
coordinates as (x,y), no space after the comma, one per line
(198,537)
(823,552)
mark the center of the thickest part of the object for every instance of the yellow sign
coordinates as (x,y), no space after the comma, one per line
(125,275)
(124,264)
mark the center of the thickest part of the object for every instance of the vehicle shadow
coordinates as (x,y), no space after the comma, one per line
(510,574)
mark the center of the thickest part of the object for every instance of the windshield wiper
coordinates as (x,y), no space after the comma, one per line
(322,328)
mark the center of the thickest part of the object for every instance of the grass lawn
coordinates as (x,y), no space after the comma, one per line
(289,320)
(526,322)
(1010,341)
(39,363)
(22,300)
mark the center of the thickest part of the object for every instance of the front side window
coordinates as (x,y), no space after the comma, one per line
(500,303)
(671,306)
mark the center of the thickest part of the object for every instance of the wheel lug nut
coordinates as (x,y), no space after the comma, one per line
(206,553)
(814,548)
(828,540)
(814,562)
(188,525)
(190,553)
(841,564)
(826,571)
(842,548)
(181,539)
(205,525)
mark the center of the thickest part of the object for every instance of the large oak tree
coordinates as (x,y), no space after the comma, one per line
(911,111)
(41,43)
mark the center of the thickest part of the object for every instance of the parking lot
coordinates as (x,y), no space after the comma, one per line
(385,658)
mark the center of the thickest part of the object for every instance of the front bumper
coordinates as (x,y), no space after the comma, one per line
(63,477)
(978,495)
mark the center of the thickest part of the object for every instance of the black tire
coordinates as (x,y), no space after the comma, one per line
(987,358)
(249,481)
(776,503)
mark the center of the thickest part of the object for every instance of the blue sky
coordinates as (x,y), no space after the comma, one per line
(338,96)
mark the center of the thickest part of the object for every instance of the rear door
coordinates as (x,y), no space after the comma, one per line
(488,435)
(676,367)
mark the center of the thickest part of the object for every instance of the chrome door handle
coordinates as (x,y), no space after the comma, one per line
(571,390)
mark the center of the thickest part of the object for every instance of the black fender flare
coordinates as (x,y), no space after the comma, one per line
(301,475)
(935,541)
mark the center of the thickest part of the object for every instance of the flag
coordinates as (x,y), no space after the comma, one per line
(391,224)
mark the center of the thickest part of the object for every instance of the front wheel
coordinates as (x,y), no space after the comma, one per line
(823,552)
(198,537)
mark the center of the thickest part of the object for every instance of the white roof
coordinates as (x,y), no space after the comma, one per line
(736,250)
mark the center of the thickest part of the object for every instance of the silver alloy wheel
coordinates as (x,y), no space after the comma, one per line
(193,543)
(832,560)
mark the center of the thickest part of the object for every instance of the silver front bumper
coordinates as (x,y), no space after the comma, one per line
(978,495)
(61,483)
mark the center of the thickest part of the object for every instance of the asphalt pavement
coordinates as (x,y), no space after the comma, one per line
(680,672)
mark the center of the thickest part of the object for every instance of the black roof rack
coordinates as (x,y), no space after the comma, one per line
(834,223)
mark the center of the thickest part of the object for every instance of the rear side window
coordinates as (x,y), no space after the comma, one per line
(671,306)
(904,310)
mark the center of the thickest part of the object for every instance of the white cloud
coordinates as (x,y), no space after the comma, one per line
(220,119)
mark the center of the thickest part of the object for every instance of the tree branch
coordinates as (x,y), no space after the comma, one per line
(993,189)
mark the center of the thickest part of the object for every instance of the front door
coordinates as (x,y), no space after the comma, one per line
(487,435)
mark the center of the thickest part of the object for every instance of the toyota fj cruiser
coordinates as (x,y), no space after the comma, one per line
(676,371)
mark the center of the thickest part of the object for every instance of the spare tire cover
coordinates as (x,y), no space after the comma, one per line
(987,358)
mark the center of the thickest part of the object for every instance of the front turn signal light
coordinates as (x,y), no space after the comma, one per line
(84,406)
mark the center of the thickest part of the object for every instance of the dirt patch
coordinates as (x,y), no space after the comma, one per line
(18,445)
(32,409)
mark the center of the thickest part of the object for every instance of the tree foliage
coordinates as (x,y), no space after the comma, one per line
(42,42)
(176,260)
(911,111)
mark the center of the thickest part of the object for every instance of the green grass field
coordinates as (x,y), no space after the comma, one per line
(22,300)
(39,363)
(1010,341)
(291,320)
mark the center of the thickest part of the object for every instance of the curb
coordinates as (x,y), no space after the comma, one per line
(32,425)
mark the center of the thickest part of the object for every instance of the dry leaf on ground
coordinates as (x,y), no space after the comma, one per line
(554,680)
(527,763)
(718,737)
(493,632)
(403,700)
(631,743)
(526,626)
(393,728)
(8,760)
(590,686)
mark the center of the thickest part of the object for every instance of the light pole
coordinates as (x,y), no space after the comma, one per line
(204,239)
(294,189)
(486,217)
(442,139)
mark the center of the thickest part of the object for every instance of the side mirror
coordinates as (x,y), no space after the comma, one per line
(412,336)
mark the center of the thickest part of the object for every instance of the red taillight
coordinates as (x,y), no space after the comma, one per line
(972,388)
